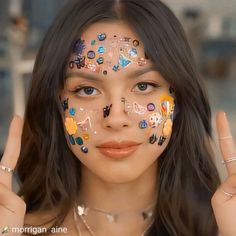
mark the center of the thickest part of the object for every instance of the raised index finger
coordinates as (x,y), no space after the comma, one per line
(226,141)
(12,150)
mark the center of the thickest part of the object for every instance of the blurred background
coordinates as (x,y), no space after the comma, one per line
(210,26)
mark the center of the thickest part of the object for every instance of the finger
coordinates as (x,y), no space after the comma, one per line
(226,141)
(9,200)
(226,191)
(12,150)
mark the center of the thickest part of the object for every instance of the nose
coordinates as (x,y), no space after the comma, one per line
(117,119)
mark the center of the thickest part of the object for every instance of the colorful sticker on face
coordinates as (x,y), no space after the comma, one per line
(167,104)
(71,126)
(101,36)
(85,137)
(79,141)
(153,139)
(123,47)
(167,127)
(65,104)
(124,61)
(84,149)
(139,109)
(101,49)
(106,111)
(72,111)
(72,141)
(85,124)
(79,47)
(151,107)
(161,140)
(143,124)
(154,120)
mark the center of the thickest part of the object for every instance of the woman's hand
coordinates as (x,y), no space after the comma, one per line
(224,199)
(12,207)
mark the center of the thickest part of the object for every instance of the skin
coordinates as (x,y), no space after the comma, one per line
(110,184)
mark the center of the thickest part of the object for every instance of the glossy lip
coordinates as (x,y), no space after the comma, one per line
(118,150)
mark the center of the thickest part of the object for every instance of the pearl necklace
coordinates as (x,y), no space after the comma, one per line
(80,211)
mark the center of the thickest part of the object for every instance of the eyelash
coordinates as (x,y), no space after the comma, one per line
(154,85)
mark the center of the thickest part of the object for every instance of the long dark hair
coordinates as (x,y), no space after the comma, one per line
(48,171)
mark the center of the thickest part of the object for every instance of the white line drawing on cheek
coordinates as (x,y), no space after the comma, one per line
(139,109)
(85,124)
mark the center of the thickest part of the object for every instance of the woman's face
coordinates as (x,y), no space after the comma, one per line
(118,109)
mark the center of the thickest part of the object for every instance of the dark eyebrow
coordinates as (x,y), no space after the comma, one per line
(138,73)
(83,75)
(132,74)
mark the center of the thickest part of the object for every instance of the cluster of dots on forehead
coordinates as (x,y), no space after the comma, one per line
(98,58)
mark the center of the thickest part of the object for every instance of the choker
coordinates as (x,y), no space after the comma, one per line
(111,216)
(82,210)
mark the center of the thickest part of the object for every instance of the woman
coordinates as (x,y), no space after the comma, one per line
(117,131)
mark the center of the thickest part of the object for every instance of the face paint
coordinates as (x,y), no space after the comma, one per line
(127,105)
(106,111)
(161,140)
(71,126)
(72,111)
(139,109)
(167,104)
(65,104)
(154,120)
(167,107)
(72,141)
(79,141)
(98,57)
(167,127)
(153,139)
(85,124)
(85,136)
(143,124)
(150,107)
(84,149)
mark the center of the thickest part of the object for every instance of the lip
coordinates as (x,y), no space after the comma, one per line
(118,150)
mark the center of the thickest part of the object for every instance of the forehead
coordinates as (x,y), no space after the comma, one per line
(108,47)
(110,28)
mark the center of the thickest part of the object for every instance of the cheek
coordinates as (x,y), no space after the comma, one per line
(78,124)
(155,120)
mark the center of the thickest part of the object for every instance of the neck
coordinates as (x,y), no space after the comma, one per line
(131,196)
(137,194)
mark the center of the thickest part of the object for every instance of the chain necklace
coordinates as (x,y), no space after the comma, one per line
(92,233)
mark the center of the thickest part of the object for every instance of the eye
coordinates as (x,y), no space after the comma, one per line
(86,91)
(145,87)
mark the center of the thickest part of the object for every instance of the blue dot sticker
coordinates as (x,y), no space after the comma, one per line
(101,49)
(72,111)
(143,124)
(101,36)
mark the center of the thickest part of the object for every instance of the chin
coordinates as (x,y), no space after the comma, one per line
(120,177)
